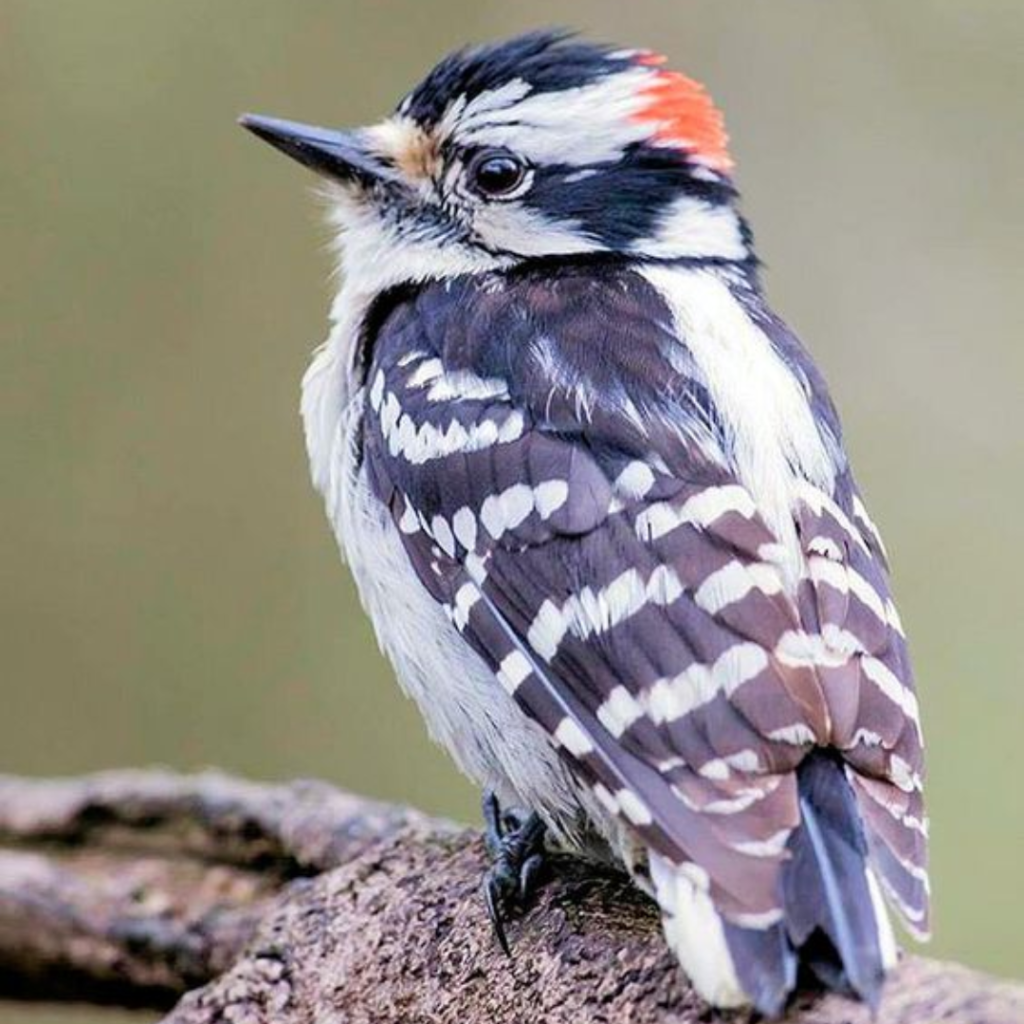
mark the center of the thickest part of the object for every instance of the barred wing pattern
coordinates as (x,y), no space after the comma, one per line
(562,488)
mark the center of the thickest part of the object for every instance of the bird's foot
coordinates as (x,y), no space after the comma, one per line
(515,842)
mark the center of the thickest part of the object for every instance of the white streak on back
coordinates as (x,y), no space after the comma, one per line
(772,436)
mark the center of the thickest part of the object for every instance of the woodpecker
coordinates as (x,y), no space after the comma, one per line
(594,494)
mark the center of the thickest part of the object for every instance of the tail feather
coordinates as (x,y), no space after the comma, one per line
(765,964)
(832,912)
(833,930)
(696,933)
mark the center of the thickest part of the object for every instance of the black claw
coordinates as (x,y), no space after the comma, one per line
(533,867)
(493,899)
(515,842)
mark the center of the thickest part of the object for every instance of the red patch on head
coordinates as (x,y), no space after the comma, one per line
(684,116)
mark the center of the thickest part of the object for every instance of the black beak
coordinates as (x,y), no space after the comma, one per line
(338,155)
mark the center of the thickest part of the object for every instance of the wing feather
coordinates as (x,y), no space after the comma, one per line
(621,584)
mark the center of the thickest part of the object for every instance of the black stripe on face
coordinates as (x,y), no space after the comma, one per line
(620,202)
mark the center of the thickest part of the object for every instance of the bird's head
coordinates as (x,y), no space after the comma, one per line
(541,146)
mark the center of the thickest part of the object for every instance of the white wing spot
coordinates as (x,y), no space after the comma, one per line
(389,413)
(903,776)
(429,370)
(516,503)
(573,738)
(492,515)
(462,385)
(619,711)
(861,513)
(886,680)
(409,522)
(427,442)
(464,526)
(476,566)
(547,630)
(715,769)
(465,598)
(377,391)
(668,699)
(513,671)
(733,582)
(798,734)
(633,807)
(442,533)
(847,581)
(598,611)
(770,847)
(550,496)
(607,798)
(635,480)
(701,510)
(820,503)
(760,921)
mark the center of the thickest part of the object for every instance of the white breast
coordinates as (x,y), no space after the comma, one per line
(773,437)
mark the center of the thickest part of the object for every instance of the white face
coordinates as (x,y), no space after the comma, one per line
(515,173)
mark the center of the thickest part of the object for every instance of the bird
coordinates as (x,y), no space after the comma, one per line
(595,498)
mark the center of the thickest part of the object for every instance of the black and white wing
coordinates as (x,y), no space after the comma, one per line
(562,488)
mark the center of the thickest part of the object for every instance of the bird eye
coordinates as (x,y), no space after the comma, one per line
(495,173)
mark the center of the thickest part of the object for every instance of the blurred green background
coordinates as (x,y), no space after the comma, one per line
(171,592)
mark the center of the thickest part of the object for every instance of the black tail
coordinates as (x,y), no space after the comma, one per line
(831,929)
(831,917)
